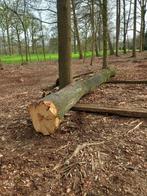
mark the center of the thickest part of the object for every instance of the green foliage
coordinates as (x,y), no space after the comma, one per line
(17,59)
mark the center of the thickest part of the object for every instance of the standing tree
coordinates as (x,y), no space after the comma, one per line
(105,32)
(134,30)
(92,18)
(118,10)
(64,39)
(126,21)
(143,4)
(42,36)
(124,29)
(76,33)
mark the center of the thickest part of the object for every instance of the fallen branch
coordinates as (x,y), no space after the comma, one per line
(47,113)
(138,113)
(127,81)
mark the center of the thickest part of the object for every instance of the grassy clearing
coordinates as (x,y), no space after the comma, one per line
(17,59)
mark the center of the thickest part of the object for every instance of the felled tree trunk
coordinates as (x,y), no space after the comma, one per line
(47,114)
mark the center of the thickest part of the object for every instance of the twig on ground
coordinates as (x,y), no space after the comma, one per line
(136,127)
(62,147)
(81,147)
(76,151)
(100,161)
(92,163)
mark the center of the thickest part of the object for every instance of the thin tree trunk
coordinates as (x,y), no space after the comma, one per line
(93,32)
(32,37)
(25,31)
(35,48)
(8,36)
(142,27)
(105,33)
(75,42)
(118,10)
(96,46)
(127,25)
(134,30)
(77,30)
(96,41)
(4,43)
(19,43)
(110,45)
(99,33)
(11,41)
(26,42)
(42,39)
(85,44)
(124,29)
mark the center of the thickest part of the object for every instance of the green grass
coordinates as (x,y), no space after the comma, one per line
(17,59)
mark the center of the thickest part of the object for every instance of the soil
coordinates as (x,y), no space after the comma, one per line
(90,154)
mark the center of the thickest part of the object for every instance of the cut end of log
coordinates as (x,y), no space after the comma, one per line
(44,117)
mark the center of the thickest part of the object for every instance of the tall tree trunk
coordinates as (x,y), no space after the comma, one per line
(110,45)
(32,37)
(142,27)
(118,10)
(96,45)
(99,35)
(8,36)
(93,32)
(134,30)
(36,51)
(124,29)
(25,38)
(19,43)
(127,24)
(74,42)
(96,40)
(42,38)
(64,42)
(77,30)
(4,42)
(85,43)
(25,30)
(28,46)
(105,33)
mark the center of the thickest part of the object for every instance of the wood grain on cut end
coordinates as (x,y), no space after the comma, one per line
(44,117)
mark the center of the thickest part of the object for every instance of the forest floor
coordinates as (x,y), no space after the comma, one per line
(111,151)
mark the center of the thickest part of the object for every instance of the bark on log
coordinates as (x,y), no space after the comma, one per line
(139,113)
(47,114)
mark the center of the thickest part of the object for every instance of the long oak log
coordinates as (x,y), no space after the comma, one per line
(47,113)
(137,113)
